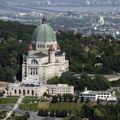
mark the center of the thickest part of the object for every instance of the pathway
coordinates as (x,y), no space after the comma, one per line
(14,108)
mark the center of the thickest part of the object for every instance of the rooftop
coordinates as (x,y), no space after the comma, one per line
(44,33)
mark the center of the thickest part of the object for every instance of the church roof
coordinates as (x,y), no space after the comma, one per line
(44,32)
(58,53)
(51,48)
(40,54)
(30,47)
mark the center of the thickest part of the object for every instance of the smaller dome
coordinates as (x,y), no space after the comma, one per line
(30,48)
(51,48)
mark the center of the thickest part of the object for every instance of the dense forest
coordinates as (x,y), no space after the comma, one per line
(81,81)
(91,54)
(87,54)
(14,39)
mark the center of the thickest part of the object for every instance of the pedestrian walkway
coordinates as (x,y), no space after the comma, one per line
(14,108)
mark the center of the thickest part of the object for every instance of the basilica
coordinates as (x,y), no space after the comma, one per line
(43,60)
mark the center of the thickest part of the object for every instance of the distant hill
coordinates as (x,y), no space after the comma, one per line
(61,2)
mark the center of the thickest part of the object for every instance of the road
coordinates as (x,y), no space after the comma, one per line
(5,108)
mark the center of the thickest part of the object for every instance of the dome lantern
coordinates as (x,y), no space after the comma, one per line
(44,20)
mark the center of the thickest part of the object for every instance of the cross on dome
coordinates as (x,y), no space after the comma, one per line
(44,20)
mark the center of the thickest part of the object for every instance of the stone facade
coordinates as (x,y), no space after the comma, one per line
(60,89)
(43,66)
(26,90)
(39,90)
(43,60)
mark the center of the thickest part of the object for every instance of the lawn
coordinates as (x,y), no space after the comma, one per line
(30,100)
(52,106)
(43,105)
(8,100)
(31,107)
(15,116)
(66,106)
(29,103)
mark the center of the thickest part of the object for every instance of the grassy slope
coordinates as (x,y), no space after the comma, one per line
(52,106)
(8,100)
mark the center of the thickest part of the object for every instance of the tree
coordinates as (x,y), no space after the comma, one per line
(115,83)
(26,116)
(52,113)
(43,113)
(87,112)
(54,99)
(62,113)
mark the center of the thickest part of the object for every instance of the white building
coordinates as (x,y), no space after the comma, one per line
(43,60)
(101,21)
(27,90)
(39,90)
(95,95)
(60,89)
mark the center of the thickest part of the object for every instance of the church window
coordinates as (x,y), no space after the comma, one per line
(15,91)
(31,71)
(34,62)
(27,91)
(42,46)
(19,91)
(32,92)
(48,46)
(36,71)
(24,92)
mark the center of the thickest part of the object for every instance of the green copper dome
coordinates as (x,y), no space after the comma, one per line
(44,33)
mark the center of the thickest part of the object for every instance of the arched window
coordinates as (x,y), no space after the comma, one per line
(32,92)
(24,92)
(27,91)
(34,62)
(33,71)
(19,91)
(15,91)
